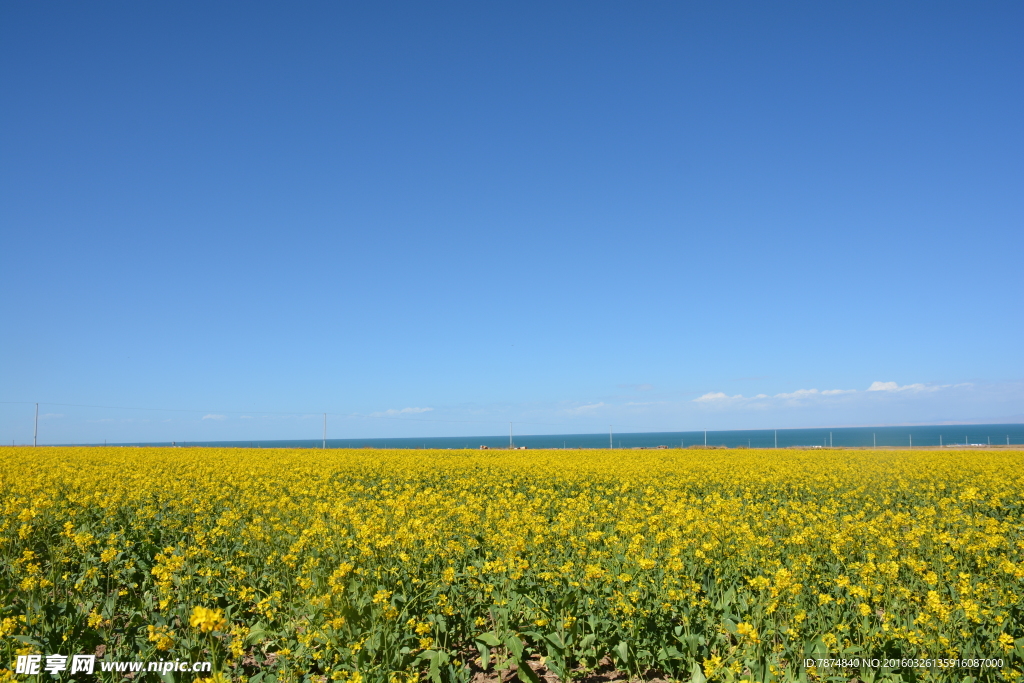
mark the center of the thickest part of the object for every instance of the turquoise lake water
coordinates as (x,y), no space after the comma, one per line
(902,437)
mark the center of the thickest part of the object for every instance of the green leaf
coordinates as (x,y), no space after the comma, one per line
(696,675)
(525,673)
(27,640)
(556,640)
(257,634)
(488,639)
(515,645)
(436,659)
(485,655)
(622,651)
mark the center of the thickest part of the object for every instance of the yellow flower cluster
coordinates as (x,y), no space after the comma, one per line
(207,620)
(161,636)
(392,565)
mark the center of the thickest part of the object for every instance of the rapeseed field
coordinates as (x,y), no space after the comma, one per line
(395,566)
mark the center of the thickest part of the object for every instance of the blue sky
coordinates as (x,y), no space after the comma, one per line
(662,216)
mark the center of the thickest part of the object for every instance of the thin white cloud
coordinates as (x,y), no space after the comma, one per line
(893,387)
(807,398)
(211,416)
(585,409)
(717,397)
(799,393)
(391,412)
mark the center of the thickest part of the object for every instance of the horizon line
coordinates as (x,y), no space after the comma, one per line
(577,434)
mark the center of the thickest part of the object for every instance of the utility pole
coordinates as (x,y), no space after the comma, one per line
(610,446)
(35,430)
(874,441)
(705,438)
(776,438)
(325,431)
(911,440)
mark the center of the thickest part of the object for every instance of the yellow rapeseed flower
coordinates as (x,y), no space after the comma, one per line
(207,620)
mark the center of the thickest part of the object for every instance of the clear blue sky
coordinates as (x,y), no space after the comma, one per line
(655,215)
